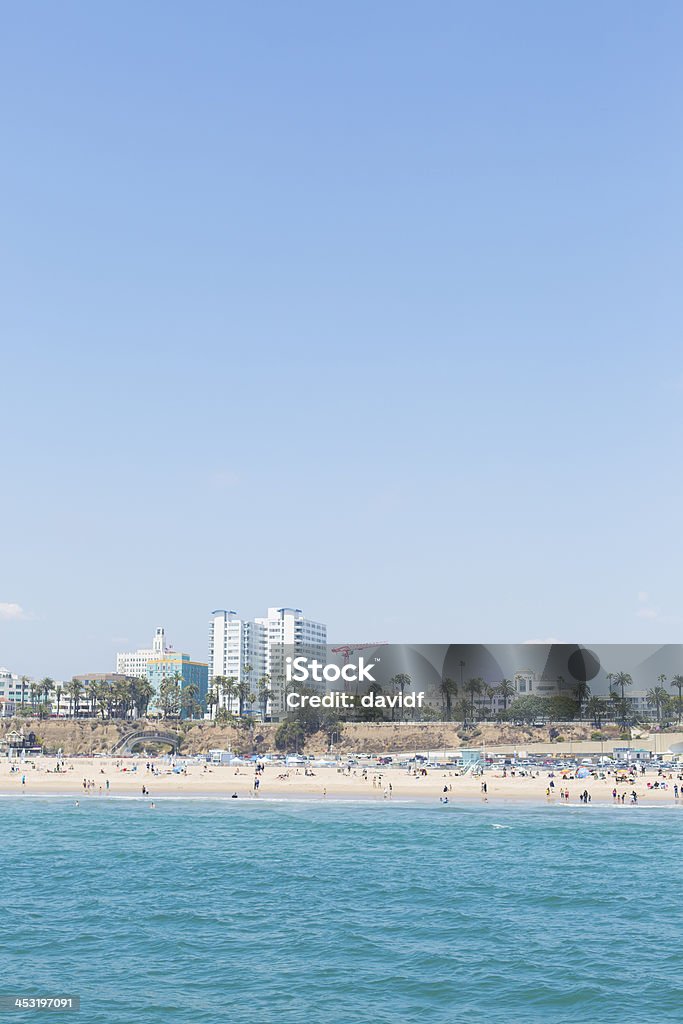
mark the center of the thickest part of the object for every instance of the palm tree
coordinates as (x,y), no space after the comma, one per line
(91,694)
(506,689)
(490,692)
(58,689)
(142,693)
(46,688)
(474,687)
(74,689)
(264,694)
(242,691)
(677,684)
(246,675)
(462,710)
(399,682)
(24,680)
(623,679)
(582,692)
(211,700)
(188,699)
(656,698)
(121,696)
(596,707)
(34,690)
(448,689)
(227,690)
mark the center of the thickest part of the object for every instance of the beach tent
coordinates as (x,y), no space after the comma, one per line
(583,773)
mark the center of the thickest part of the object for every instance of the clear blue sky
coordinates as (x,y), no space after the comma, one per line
(369,308)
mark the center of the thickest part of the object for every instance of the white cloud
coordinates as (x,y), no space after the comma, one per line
(12,612)
(647,613)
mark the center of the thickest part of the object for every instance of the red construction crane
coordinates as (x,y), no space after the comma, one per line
(348,649)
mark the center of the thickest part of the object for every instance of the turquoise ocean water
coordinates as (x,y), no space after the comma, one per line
(342,913)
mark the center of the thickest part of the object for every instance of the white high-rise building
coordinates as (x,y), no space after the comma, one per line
(235,645)
(263,644)
(289,634)
(134,663)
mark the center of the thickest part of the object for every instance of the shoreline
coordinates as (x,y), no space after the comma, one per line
(98,778)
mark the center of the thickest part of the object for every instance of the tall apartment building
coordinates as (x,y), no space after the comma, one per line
(263,644)
(134,663)
(235,645)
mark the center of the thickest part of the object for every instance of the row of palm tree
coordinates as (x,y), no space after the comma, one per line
(597,708)
(226,691)
(470,690)
(121,698)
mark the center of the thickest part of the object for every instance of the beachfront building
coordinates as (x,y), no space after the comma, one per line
(134,663)
(260,646)
(290,634)
(14,690)
(237,650)
(87,705)
(178,666)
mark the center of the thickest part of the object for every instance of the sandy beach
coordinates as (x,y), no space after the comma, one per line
(92,778)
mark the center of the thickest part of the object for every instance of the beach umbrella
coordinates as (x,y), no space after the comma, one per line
(582,773)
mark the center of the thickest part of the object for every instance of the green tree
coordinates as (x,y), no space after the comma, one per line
(622,680)
(596,707)
(169,697)
(474,687)
(582,691)
(24,683)
(264,695)
(490,692)
(448,689)
(657,697)
(242,691)
(401,681)
(290,737)
(188,700)
(677,684)
(506,690)
(211,700)
(530,708)
(91,690)
(74,690)
(462,710)
(142,694)
(562,708)
(227,690)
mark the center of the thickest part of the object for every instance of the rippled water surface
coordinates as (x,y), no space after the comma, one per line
(212,911)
